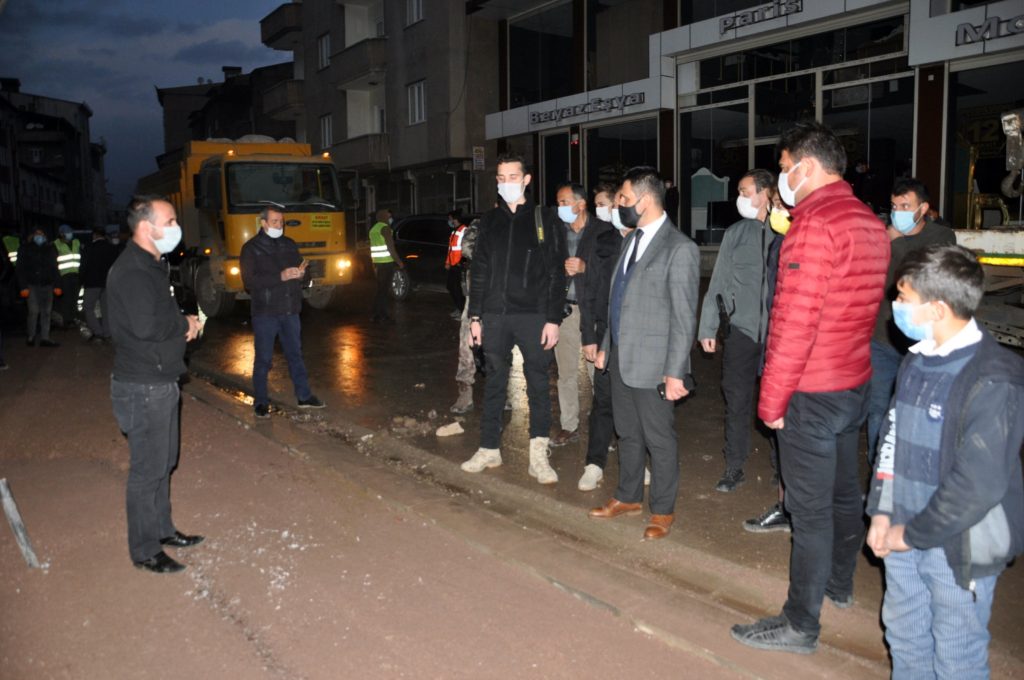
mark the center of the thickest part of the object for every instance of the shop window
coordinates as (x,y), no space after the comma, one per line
(614,149)
(780,103)
(714,153)
(540,55)
(617,32)
(709,9)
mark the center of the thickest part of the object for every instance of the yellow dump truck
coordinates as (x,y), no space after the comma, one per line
(218,189)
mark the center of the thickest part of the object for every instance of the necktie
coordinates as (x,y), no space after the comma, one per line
(637,233)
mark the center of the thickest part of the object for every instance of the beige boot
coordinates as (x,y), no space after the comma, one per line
(539,465)
(464,403)
(483,459)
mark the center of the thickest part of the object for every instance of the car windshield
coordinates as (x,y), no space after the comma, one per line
(299,187)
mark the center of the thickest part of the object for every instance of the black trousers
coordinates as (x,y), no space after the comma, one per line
(818,448)
(645,422)
(501,332)
(454,285)
(382,301)
(740,360)
(148,415)
(602,425)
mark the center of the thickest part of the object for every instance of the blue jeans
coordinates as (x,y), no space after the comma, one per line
(885,363)
(288,328)
(935,628)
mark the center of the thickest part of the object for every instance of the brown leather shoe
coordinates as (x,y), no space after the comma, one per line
(614,508)
(659,526)
(563,437)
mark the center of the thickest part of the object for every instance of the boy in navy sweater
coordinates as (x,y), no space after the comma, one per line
(947,498)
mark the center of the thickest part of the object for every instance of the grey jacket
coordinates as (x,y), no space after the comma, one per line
(741,279)
(659,310)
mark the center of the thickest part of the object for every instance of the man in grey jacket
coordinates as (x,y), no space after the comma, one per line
(740,284)
(651,328)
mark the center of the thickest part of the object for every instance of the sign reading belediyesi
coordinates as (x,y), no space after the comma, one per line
(994,27)
(772,10)
(597,105)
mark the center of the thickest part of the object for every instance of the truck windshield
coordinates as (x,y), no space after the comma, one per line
(299,187)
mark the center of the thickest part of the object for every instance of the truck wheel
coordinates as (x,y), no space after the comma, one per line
(324,297)
(213,301)
(401,284)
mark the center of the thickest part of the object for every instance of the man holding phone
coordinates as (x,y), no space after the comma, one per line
(272,272)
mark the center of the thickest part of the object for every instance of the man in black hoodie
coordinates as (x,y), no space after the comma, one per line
(272,271)
(517,297)
(39,281)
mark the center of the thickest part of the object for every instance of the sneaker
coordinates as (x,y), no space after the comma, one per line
(483,459)
(730,481)
(592,476)
(840,601)
(775,634)
(261,411)
(772,519)
(540,466)
(311,402)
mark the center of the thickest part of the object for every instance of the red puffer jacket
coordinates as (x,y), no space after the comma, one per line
(831,280)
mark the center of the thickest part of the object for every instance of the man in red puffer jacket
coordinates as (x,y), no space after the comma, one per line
(814,391)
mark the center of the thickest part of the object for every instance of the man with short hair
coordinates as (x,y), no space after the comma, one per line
(272,272)
(516,299)
(149,333)
(580,232)
(385,259)
(97,259)
(651,327)
(910,231)
(814,389)
(739,283)
(453,263)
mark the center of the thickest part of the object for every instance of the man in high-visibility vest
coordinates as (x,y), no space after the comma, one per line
(69,260)
(385,259)
(453,263)
(11,243)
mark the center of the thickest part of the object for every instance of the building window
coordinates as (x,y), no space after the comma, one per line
(541,45)
(326,131)
(417,103)
(413,11)
(323,51)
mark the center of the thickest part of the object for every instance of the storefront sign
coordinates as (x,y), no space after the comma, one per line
(774,10)
(994,27)
(478,158)
(593,106)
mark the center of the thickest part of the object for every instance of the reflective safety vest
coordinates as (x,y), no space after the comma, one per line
(455,246)
(69,256)
(379,252)
(12,243)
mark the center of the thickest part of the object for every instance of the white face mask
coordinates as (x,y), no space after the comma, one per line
(604,213)
(744,204)
(511,192)
(616,222)
(789,195)
(171,238)
(566,214)
(274,233)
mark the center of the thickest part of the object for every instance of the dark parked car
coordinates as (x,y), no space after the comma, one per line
(422,243)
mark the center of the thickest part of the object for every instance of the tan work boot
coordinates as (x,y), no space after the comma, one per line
(539,465)
(464,403)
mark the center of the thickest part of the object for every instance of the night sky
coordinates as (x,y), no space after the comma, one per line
(111,53)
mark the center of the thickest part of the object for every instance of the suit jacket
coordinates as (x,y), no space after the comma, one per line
(658,319)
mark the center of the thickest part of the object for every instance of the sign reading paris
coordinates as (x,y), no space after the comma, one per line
(773,10)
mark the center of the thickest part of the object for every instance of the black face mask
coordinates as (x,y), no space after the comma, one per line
(628,215)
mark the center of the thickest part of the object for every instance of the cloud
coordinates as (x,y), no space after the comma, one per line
(216,51)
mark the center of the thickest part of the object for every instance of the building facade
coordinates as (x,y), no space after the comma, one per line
(911,88)
(397,93)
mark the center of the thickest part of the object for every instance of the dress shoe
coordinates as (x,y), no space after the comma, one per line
(311,402)
(659,526)
(563,437)
(614,508)
(48,343)
(160,563)
(180,540)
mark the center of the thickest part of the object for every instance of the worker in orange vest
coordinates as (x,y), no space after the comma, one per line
(453,263)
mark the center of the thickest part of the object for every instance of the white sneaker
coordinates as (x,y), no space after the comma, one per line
(647,476)
(539,465)
(483,459)
(592,476)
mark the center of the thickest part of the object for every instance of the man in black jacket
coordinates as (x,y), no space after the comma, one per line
(149,333)
(39,281)
(516,298)
(97,259)
(272,271)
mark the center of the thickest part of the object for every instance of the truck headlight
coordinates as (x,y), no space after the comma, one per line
(344,263)
(234,271)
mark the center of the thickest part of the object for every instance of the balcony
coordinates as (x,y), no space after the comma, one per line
(282,28)
(368,152)
(284,100)
(361,66)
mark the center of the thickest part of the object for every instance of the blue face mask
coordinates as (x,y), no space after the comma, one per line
(903,316)
(903,220)
(566,214)
(39,240)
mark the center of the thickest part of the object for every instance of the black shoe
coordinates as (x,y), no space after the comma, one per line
(160,563)
(772,519)
(730,480)
(48,343)
(180,540)
(840,601)
(261,411)
(31,342)
(775,634)
(311,402)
